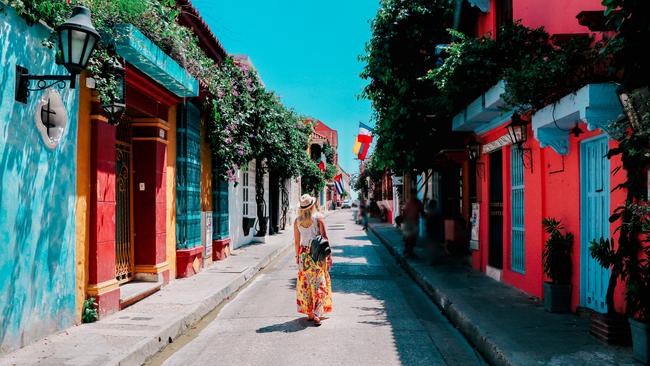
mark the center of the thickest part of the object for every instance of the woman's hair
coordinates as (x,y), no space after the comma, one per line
(306,213)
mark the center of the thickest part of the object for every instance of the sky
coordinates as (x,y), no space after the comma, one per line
(306,51)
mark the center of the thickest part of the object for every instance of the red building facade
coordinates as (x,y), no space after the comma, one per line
(556,173)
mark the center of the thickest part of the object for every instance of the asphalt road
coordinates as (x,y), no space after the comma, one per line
(380,317)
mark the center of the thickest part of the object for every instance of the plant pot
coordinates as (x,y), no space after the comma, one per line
(640,340)
(557,298)
(220,249)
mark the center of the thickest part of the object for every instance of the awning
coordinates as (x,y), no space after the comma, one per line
(595,104)
(141,52)
(483,5)
(481,111)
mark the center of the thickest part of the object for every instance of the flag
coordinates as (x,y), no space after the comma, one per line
(363,151)
(364,129)
(364,134)
(339,184)
(364,139)
(357,147)
(321,166)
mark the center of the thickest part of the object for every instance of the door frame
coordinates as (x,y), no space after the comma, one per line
(584,247)
(492,252)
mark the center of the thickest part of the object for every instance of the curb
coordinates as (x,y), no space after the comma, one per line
(142,351)
(488,349)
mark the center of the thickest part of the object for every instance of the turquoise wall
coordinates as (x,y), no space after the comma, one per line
(37,197)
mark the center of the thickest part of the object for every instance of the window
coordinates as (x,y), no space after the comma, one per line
(245,190)
(517,181)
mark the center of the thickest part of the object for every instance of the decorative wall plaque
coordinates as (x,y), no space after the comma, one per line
(51,118)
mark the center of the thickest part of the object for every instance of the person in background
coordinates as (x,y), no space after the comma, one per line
(413,210)
(363,211)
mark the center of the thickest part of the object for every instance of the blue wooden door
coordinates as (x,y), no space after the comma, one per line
(594,186)
(518,252)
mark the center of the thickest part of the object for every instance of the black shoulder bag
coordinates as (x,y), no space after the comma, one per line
(320,248)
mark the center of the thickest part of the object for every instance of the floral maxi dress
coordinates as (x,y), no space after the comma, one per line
(313,287)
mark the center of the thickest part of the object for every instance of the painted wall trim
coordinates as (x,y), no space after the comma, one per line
(141,52)
(595,104)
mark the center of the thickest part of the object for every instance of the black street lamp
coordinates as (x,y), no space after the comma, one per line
(77,40)
(518,133)
(474,151)
(517,130)
(116,104)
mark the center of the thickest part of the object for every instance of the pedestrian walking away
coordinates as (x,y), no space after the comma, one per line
(313,286)
(412,212)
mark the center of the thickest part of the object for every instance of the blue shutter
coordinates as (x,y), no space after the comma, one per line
(188,177)
(220,223)
(595,192)
(518,253)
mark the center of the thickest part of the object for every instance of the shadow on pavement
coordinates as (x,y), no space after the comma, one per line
(290,326)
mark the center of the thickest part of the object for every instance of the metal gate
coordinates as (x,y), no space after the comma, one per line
(594,186)
(124,264)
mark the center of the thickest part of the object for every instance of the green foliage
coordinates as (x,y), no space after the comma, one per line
(401,50)
(89,313)
(537,70)
(247,121)
(330,172)
(371,174)
(556,256)
(631,20)
(312,179)
(328,151)
(544,78)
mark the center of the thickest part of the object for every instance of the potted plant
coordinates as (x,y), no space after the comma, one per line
(556,262)
(638,294)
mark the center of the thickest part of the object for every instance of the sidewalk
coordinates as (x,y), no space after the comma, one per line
(507,326)
(130,336)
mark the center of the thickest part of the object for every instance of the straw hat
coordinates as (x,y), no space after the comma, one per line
(306,201)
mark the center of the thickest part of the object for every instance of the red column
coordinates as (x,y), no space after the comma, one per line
(149,199)
(101,252)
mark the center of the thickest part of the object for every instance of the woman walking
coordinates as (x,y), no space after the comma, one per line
(313,287)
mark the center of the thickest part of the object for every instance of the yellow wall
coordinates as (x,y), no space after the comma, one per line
(206,171)
(83,195)
(171,192)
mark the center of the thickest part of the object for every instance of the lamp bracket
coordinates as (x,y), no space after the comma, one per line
(24,79)
(527,157)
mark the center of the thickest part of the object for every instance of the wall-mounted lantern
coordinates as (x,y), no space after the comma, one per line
(116,104)
(474,155)
(474,151)
(518,133)
(517,130)
(77,40)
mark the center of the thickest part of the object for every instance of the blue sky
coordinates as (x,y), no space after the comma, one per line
(306,51)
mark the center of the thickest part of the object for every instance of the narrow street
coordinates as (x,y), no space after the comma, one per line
(380,317)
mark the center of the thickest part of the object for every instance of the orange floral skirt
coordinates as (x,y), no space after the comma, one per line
(313,287)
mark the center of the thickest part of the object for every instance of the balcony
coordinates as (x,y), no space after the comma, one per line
(141,52)
(486,108)
(597,105)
